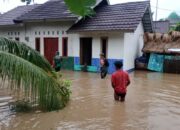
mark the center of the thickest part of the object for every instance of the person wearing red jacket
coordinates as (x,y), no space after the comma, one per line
(120,80)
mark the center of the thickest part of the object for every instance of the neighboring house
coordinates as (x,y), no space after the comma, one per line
(115,30)
(173,22)
(164,50)
(161,26)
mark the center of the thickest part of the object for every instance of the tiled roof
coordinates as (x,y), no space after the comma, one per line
(124,16)
(53,9)
(161,26)
(7,18)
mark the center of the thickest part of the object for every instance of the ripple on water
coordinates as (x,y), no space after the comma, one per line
(153,103)
(87,124)
(5,113)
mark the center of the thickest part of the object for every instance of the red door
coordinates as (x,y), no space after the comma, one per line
(50,48)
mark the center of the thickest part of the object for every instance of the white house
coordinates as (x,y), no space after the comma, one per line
(116,30)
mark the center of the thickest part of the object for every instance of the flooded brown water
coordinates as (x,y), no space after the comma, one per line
(152,103)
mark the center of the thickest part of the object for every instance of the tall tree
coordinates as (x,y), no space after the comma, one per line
(173,15)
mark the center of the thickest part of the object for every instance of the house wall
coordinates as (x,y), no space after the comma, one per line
(133,44)
(115,49)
(43,30)
(40,30)
(121,46)
(12,32)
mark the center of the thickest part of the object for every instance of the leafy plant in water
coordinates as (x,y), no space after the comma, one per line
(21,106)
(29,74)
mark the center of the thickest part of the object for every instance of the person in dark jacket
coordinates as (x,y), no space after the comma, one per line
(57,62)
(103,66)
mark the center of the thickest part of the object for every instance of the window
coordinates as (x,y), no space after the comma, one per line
(65,46)
(17,38)
(27,39)
(37,44)
(57,32)
(104,43)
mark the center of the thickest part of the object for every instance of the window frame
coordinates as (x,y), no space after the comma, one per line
(63,45)
(104,38)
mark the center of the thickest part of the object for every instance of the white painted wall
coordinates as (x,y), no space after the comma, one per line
(32,30)
(115,44)
(133,43)
(125,46)
(74,45)
(96,46)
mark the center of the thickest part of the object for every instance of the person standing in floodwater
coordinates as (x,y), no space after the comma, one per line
(120,80)
(104,64)
(57,62)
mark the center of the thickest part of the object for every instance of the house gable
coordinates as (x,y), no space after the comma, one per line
(147,20)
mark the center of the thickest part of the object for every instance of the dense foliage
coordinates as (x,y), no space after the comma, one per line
(177,28)
(173,15)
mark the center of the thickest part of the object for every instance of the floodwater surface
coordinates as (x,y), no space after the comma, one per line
(152,103)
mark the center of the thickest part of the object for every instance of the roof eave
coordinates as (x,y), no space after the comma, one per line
(105,30)
(46,20)
(11,25)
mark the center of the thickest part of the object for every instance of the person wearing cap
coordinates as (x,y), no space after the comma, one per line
(120,80)
(103,66)
(57,62)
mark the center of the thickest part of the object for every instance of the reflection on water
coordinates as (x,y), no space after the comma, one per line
(152,103)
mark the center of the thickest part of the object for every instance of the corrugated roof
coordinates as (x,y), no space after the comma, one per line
(53,9)
(7,18)
(124,16)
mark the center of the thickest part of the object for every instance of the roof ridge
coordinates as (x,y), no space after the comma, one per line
(144,1)
(19,7)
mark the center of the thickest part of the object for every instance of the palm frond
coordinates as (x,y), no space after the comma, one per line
(35,82)
(25,52)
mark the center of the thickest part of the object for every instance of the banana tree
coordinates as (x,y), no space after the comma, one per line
(30,74)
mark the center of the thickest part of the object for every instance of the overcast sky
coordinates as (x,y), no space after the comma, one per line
(165,6)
